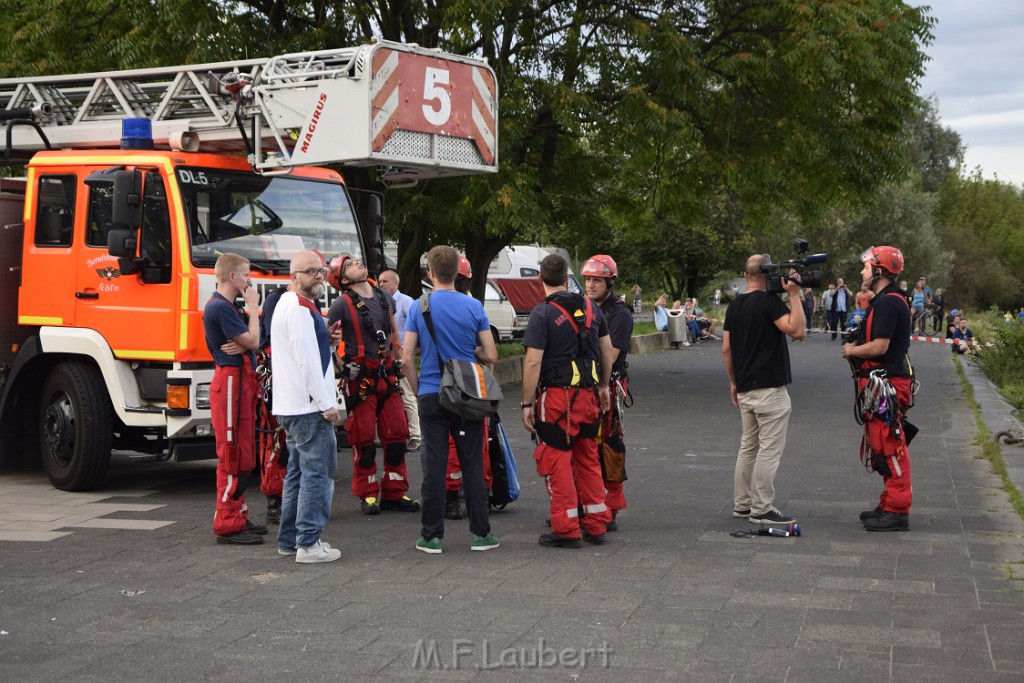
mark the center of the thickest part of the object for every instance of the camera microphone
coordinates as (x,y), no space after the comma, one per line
(815,258)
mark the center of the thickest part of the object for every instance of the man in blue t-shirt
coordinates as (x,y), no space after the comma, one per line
(458,328)
(231,341)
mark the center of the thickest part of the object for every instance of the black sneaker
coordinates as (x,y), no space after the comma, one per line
(253,528)
(369,506)
(240,538)
(452,509)
(273,509)
(599,539)
(556,541)
(773,516)
(741,514)
(888,521)
(869,514)
(612,526)
(403,504)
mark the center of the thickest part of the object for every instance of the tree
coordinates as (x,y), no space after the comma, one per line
(627,124)
(982,222)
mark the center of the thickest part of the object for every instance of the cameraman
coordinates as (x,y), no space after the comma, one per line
(879,355)
(756,359)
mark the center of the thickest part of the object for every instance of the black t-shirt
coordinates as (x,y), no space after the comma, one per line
(620,327)
(551,331)
(340,310)
(889,316)
(760,357)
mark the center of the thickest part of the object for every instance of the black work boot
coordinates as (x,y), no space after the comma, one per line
(869,514)
(888,521)
(452,509)
(273,509)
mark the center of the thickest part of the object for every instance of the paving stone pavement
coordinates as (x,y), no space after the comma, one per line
(672,596)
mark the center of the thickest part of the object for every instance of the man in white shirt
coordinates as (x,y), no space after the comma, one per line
(305,404)
(389,281)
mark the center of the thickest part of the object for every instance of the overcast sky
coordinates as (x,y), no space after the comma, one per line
(977,72)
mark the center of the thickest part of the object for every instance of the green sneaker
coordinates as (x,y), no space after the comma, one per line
(433,546)
(488,542)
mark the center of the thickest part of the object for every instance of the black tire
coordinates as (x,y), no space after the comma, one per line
(494,333)
(76,424)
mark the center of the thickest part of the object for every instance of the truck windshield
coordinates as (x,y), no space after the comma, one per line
(266,219)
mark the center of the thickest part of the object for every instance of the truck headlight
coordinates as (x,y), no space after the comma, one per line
(203,396)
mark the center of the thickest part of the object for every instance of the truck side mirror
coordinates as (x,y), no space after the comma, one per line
(374,223)
(127,208)
(123,244)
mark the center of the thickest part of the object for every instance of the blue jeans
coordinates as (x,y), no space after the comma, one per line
(309,483)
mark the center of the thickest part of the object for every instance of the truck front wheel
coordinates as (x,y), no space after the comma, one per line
(76,423)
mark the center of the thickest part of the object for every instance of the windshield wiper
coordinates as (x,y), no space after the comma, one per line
(268,266)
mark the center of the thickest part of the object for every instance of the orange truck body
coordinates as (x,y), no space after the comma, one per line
(75,331)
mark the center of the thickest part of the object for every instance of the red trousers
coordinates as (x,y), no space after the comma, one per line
(889,454)
(379,413)
(453,472)
(233,414)
(567,472)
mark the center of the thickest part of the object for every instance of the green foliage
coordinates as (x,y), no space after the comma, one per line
(1004,361)
(982,222)
(679,137)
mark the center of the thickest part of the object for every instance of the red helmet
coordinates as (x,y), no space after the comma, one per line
(888,258)
(600,265)
(465,270)
(335,270)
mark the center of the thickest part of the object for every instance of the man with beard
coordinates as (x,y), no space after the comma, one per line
(371,367)
(305,404)
(600,273)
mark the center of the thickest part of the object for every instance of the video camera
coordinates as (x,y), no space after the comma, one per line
(777,272)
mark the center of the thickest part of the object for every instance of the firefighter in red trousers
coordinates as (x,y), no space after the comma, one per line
(371,372)
(453,473)
(231,341)
(885,388)
(567,346)
(600,273)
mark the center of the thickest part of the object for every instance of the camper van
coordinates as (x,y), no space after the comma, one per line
(523,260)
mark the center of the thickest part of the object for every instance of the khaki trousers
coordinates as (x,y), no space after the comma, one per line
(765,416)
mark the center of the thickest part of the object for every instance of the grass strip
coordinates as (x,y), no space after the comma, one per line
(990,448)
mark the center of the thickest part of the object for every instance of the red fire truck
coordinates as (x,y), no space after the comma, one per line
(137,180)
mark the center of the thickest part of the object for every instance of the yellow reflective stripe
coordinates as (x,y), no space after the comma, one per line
(144,355)
(183,327)
(39,320)
(183,332)
(183,249)
(575,382)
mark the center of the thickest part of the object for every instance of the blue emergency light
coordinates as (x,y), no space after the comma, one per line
(136,134)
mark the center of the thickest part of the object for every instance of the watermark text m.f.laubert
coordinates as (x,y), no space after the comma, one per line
(465,654)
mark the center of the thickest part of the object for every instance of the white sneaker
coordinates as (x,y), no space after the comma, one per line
(318,552)
(291,551)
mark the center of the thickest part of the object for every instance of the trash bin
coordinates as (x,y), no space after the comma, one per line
(676,328)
